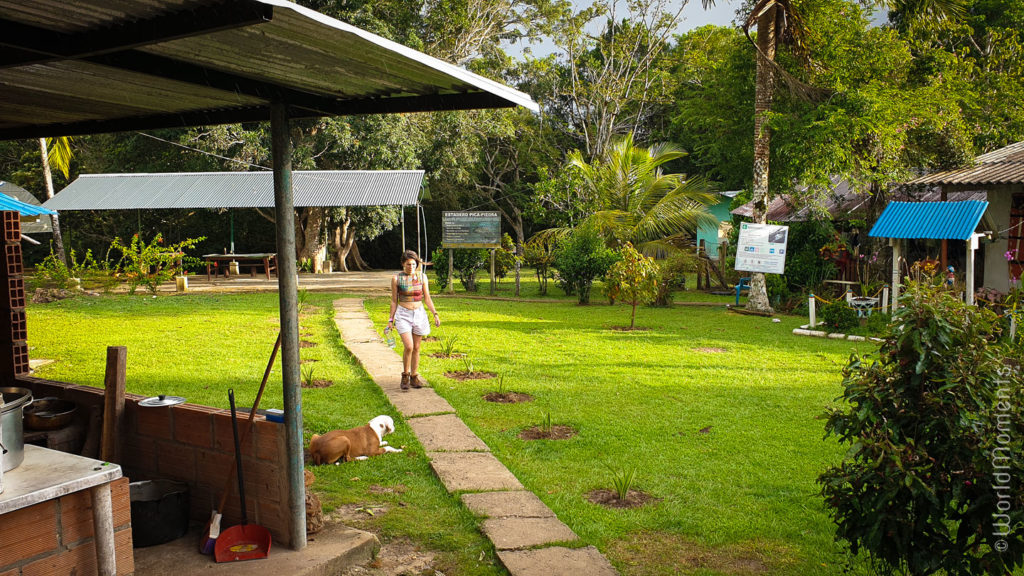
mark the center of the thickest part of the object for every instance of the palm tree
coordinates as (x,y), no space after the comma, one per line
(638,202)
(56,153)
(778,22)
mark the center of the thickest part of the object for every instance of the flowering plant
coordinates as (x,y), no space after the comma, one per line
(833,248)
(151,263)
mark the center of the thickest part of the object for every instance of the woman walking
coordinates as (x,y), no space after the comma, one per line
(408,317)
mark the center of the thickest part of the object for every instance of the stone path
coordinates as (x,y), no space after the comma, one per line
(523,529)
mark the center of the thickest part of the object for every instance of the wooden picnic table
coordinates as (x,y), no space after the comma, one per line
(265,260)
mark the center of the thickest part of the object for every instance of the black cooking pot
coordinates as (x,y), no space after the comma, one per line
(160,510)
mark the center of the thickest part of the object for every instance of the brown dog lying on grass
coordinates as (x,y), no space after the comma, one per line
(359,443)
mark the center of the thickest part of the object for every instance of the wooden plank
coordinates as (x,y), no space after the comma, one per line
(113,411)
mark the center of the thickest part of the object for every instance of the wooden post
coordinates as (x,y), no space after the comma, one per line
(885,297)
(287,287)
(403,229)
(895,243)
(492,272)
(113,403)
(810,308)
(103,530)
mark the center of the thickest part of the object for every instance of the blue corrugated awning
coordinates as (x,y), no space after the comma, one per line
(8,204)
(931,220)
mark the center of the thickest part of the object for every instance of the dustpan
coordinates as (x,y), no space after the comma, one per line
(245,541)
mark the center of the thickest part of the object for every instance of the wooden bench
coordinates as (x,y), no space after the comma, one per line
(216,262)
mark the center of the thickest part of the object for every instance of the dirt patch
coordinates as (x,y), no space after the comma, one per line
(431,339)
(558,432)
(47,295)
(318,383)
(461,375)
(508,397)
(628,329)
(709,350)
(308,360)
(307,344)
(378,489)
(610,499)
(651,553)
(448,356)
(398,557)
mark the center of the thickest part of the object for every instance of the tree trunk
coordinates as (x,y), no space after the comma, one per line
(313,246)
(519,254)
(355,258)
(341,241)
(58,239)
(765,93)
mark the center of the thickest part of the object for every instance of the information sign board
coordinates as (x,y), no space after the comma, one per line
(762,248)
(471,230)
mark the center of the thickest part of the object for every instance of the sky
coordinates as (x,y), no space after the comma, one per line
(694,16)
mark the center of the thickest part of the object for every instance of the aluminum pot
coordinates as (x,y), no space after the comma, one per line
(11,422)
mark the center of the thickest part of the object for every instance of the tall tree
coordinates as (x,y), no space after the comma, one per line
(56,153)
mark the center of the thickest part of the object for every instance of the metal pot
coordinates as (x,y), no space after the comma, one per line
(49,413)
(11,422)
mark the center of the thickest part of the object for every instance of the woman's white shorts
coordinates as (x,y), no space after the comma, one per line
(414,321)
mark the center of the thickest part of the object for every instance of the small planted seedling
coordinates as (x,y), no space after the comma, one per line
(545,424)
(623,480)
(307,376)
(467,364)
(501,383)
(448,344)
(303,299)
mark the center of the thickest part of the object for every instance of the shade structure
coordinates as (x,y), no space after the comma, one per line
(14,205)
(186,190)
(1002,166)
(72,67)
(929,220)
(86,66)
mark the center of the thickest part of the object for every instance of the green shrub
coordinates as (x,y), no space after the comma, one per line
(672,276)
(633,279)
(838,316)
(466,264)
(932,478)
(540,255)
(505,257)
(582,259)
(151,264)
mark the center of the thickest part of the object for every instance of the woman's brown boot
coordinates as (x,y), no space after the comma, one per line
(405,381)
(414,381)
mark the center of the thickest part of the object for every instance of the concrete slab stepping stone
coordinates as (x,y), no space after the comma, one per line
(556,561)
(512,533)
(446,432)
(418,402)
(518,503)
(472,471)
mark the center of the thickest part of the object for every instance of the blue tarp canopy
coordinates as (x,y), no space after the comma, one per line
(8,204)
(929,220)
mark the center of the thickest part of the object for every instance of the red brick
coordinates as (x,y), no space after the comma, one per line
(154,422)
(262,481)
(176,462)
(212,468)
(138,454)
(28,532)
(78,560)
(269,441)
(123,552)
(223,438)
(192,427)
(14,572)
(120,497)
(75,517)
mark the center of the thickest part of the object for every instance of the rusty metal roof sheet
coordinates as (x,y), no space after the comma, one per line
(1002,166)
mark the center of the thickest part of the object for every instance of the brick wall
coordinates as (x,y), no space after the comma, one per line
(55,538)
(194,444)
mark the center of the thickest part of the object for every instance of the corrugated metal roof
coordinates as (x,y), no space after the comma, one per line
(86,66)
(237,190)
(843,202)
(933,220)
(1002,166)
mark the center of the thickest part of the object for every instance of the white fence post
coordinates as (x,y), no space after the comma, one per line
(810,308)
(885,298)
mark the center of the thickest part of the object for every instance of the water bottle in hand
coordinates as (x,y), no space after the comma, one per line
(389,337)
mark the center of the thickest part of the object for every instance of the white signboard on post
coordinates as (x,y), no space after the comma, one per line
(762,248)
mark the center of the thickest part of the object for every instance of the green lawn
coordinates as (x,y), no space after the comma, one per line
(737,499)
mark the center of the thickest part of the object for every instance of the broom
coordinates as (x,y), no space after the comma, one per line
(212,531)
